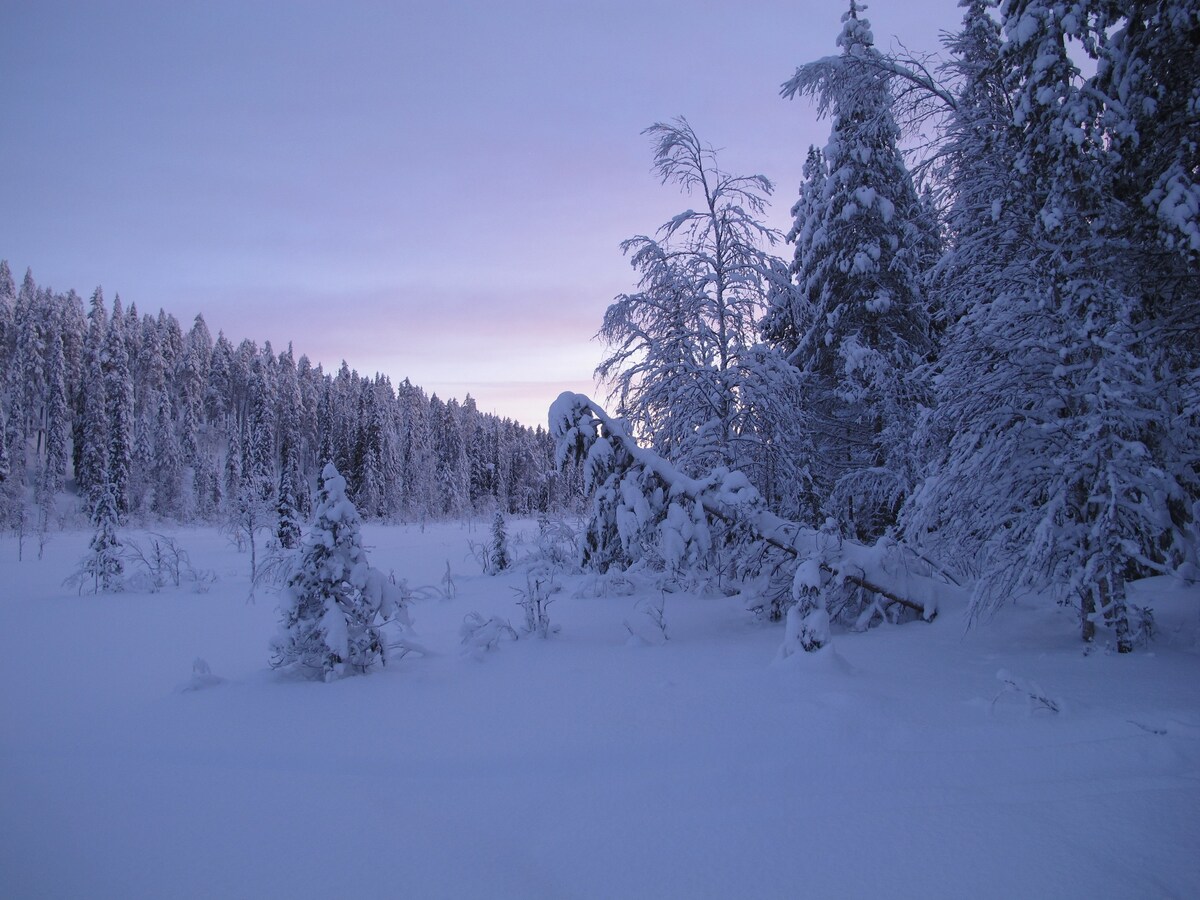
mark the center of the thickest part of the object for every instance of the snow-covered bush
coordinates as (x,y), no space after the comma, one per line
(480,635)
(648,624)
(540,588)
(557,544)
(161,563)
(335,604)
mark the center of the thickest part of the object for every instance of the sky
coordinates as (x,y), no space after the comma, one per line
(434,191)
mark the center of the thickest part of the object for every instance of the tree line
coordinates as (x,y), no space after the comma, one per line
(107,407)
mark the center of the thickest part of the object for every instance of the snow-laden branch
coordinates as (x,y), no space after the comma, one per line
(888,569)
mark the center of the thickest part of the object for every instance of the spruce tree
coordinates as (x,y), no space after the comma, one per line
(452,470)
(988,218)
(118,395)
(500,560)
(8,298)
(1052,385)
(58,429)
(418,459)
(16,426)
(103,563)
(93,449)
(27,377)
(287,527)
(166,471)
(332,611)
(858,326)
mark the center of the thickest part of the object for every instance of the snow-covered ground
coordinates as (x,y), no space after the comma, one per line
(582,766)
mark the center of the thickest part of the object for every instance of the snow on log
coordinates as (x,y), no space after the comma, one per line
(887,569)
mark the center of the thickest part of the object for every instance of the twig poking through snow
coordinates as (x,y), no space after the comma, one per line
(1037,697)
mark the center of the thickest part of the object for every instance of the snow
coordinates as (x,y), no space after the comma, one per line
(907,761)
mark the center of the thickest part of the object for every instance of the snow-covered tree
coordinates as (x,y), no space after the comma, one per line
(166,471)
(103,564)
(58,430)
(681,348)
(368,478)
(118,396)
(987,216)
(1052,386)
(253,504)
(291,444)
(857,327)
(453,477)
(27,376)
(92,460)
(647,517)
(157,414)
(8,298)
(23,371)
(287,527)
(418,458)
(334,604)
(499,555)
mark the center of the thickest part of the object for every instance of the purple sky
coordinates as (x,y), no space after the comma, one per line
(434,191)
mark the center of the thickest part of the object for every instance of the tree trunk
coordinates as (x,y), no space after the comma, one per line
(1087,612)
(1116,614)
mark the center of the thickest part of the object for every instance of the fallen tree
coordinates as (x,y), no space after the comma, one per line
(644,513)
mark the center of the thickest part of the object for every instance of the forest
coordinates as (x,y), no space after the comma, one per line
(981,357)
(976,350)
(180,427)
(792,607)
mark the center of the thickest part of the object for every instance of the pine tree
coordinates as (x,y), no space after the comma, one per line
(92,464)
(418,460)
(859,329)
(8,298)
(287,528)
(988,216)
(453,475)
(309,380)
(22,379)
(232,483)
(500,560)
(58,429)
(103,563)
(290,415)
(1148,72)
(166,472)
(366,479)
(259,465)
(332,612)
(27,378)
(218,393)
(118,394)
(1053,387)
(254,501)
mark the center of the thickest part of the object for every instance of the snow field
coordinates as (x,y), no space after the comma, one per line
(896,765)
